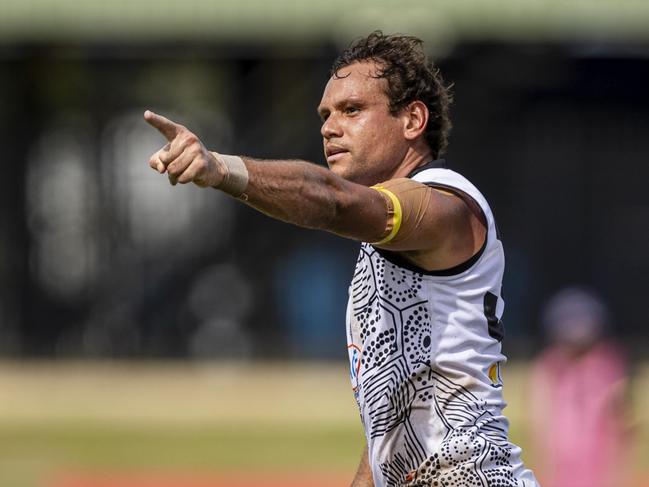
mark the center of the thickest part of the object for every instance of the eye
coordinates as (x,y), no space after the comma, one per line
(351,110)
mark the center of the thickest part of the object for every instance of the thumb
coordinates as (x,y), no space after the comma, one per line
(165,126)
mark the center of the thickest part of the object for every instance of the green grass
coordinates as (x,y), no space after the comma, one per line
(29,453)
(58,418)
(210,447)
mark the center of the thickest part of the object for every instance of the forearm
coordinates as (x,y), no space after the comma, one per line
(363,477)
(293,191)
(311,196)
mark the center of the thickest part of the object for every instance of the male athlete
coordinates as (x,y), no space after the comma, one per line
(423,319)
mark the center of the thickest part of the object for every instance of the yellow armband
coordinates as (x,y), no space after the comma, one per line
(395,215)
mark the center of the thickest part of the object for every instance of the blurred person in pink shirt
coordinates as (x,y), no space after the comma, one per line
(579,385)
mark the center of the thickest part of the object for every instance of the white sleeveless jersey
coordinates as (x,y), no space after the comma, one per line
(425,358)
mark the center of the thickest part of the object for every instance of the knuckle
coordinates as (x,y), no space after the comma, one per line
(163,155)
(185,178)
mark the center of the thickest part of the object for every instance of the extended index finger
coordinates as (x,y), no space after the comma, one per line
(165,126)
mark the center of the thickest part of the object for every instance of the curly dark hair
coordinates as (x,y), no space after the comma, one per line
(410,75)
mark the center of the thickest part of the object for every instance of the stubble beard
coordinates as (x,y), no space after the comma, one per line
(364,173)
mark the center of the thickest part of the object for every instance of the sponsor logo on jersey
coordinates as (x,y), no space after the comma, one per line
(494,375)
(354,364)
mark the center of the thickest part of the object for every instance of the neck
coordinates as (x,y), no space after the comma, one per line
(416,156)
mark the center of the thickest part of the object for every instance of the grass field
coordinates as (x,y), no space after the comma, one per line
(70,422)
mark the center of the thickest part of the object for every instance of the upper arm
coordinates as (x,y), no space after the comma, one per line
(438,229)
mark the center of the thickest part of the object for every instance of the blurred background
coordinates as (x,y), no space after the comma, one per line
(145,328)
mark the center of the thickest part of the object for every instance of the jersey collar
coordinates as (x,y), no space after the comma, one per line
(429,165)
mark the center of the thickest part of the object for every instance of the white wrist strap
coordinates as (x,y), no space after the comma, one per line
(235,181)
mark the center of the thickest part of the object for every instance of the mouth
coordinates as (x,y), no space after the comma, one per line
(334,153)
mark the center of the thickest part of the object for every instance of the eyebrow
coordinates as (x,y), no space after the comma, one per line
(322,111)
(352,99)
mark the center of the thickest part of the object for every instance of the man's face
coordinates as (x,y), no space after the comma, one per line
(363,142)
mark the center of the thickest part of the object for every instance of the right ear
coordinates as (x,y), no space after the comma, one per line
(415,117)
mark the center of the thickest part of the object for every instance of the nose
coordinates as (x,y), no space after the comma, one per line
(331,127)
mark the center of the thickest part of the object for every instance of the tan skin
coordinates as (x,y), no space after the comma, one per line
(364,145)
(356,119)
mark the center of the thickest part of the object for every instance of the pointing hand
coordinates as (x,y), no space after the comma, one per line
(184,158)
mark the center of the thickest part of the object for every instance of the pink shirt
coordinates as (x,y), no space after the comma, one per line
(579,421)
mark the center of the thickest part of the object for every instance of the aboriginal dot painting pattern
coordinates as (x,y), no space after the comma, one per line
(397,376)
